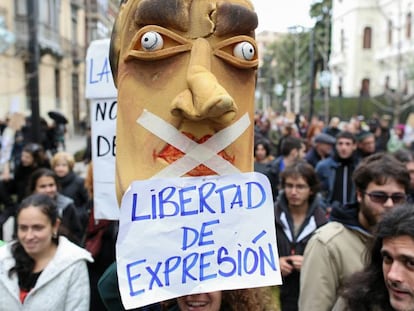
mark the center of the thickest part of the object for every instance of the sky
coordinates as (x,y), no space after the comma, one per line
(278,15)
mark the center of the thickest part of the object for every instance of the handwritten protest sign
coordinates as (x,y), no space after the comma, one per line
(103,124)
(195,234)
(99,80)
(100,89)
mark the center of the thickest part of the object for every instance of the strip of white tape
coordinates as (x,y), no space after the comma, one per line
(195,154)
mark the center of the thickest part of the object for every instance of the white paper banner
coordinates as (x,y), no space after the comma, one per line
(103,125)
(99,81)
(179,236)
(100,89)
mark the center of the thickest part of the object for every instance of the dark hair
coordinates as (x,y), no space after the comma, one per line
(347,135)
(41,172)
(265,145)
(252,299)
(302,169)
(290,143)
(404,155)
(379,168)
(24,263)
(36,151)
(367,288)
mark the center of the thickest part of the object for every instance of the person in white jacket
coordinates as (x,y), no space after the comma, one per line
(40,270)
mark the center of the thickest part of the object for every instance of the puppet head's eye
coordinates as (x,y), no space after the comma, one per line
(244,50)
(152,41)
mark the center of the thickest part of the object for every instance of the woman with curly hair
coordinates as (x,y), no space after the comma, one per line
(252,299)
(247,299)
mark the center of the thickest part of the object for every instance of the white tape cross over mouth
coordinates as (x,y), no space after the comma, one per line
(195,154)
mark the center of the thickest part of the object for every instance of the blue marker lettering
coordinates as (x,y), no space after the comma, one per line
(250,203)
(154,277)
(237,199)
(188,263)
(186,244)
(246,259)
(204,196)
(204,233)
(134,216)
(184,201)
(90,73)
(221,191)
(164,201)
(131,278)
(105,72)
(270,261)
(204,265)
(171,268)
(154,205)
(223,258)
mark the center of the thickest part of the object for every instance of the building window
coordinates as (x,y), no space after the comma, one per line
(367,38)
(342,43)
(27,74)
(405,88)
(21,7)
(408,22)
(390,26)
(75,98)
(48,13)
(387,83)
(340,87)
(44,12)
(57,88)
(365,87)
(74,23)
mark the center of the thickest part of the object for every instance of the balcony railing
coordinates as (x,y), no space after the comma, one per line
(73,50)
(49,40)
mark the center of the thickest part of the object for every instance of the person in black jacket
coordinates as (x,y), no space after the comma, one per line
(45,181)
(292,149)
(297,216)
(32,158)
(13,187)
(71,184)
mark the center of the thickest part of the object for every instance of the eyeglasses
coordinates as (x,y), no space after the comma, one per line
(299,187)
(382,197)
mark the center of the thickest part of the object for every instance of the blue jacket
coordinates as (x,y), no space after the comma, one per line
(326,172)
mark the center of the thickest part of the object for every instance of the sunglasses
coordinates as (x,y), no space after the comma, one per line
(382,197)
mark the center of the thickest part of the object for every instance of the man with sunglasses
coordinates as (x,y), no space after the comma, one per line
(337,249)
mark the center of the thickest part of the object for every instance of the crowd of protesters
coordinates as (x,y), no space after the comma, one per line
(50,208)
(340,143)
(331,184)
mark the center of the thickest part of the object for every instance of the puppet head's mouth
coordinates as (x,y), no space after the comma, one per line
(171,154)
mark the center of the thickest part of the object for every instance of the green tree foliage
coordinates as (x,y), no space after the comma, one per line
(321,12)
(291,54)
